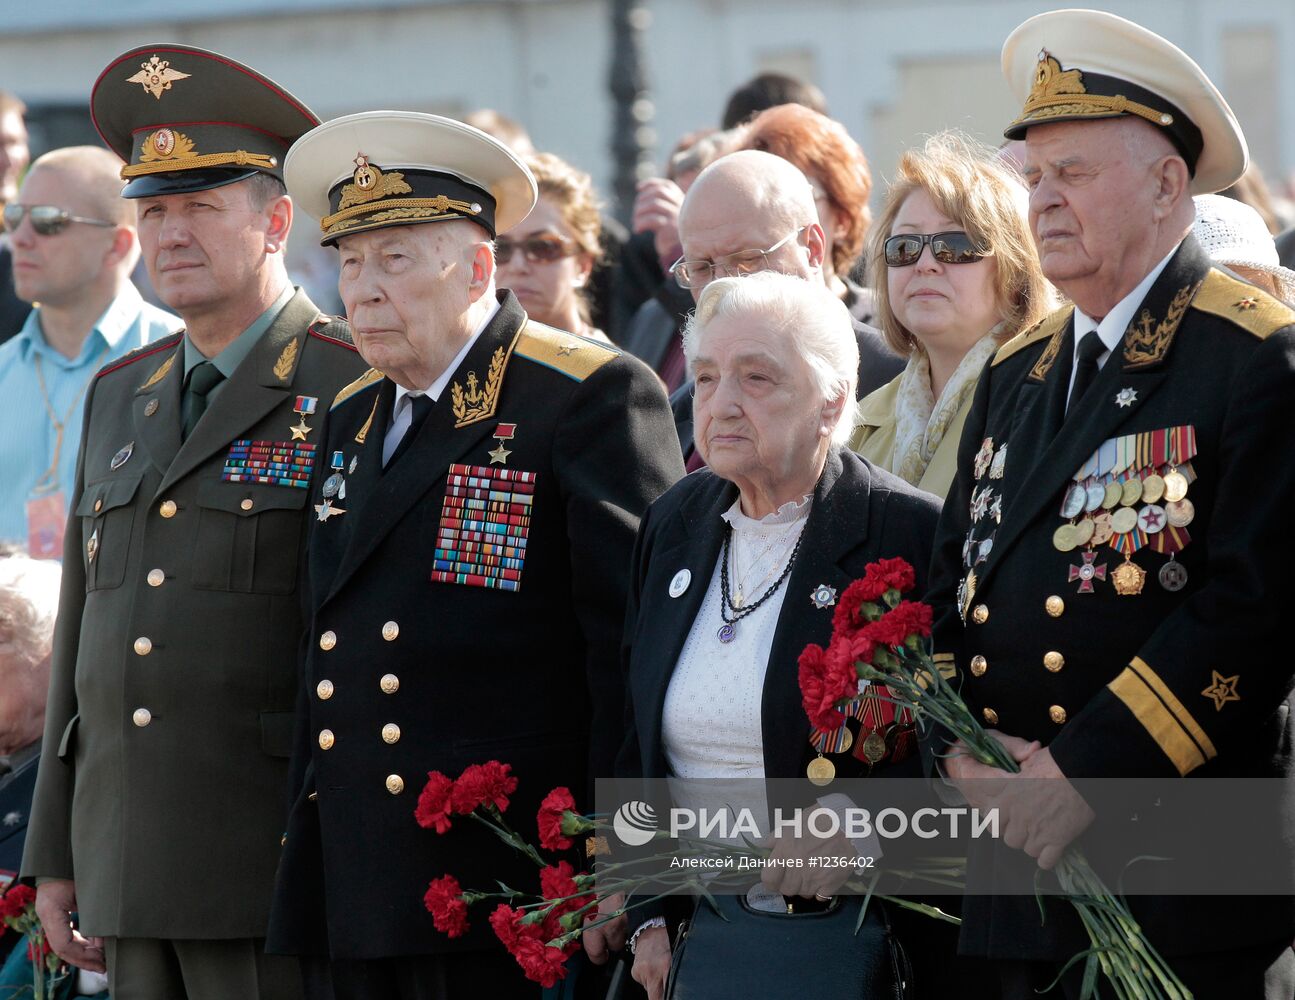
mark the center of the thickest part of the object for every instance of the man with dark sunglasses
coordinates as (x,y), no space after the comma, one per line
(74,245)
(1112,572)
(752,211)
(159,800)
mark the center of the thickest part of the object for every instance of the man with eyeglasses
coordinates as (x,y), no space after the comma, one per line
(74,245)
(159,800)
(752,211)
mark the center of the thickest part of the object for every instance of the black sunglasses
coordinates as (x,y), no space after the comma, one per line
(536,249)
(47,220)
(947,248)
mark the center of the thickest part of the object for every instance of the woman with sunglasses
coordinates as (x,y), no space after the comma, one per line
(547,259)
(955,273)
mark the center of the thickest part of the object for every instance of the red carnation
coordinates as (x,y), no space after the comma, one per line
(44,949)
(433,811)
(504,922)
(860,647)
(444,901)
(540,963)
(549,819)
(559,883)
(826,677)
(483,785)
(14,903)
(862,591)
(896,573)
(905,619)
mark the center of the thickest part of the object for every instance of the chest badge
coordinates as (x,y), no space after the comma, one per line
(303,408)
(122,457)
(503,434)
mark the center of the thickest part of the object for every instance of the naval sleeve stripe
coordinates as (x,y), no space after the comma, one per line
(1163,716)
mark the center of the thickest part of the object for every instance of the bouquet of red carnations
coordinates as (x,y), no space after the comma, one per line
(883,639)
(18,911)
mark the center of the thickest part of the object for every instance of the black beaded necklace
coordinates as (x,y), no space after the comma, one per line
(728,630)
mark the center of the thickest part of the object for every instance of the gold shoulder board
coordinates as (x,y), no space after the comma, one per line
(1248,307)
(573,356)
(1042,330)
(360,384)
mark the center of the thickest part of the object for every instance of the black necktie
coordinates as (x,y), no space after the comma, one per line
(1090,349)
(421,406)
(204,377)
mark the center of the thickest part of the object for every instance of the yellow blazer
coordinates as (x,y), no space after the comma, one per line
(874,438)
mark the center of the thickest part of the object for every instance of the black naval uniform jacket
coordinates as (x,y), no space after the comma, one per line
(169,723)
(1158,684)
(405,673)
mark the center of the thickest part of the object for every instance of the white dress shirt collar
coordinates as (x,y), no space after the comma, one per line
(1114,323)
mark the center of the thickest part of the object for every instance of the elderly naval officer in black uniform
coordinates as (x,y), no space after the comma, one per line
(467,569)
(159,802)
(1122,486)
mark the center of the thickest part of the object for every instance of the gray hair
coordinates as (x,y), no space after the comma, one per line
(29,604)
(815,321)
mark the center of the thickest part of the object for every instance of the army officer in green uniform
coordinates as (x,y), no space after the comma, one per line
(1111,573)
(468,563)
(159,804)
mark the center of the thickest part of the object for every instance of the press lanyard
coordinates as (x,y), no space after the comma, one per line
(48,481)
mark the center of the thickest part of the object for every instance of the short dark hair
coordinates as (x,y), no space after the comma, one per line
(263,188)
(768,90)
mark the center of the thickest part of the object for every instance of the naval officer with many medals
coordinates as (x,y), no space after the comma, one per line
(466,577)
(1109,574)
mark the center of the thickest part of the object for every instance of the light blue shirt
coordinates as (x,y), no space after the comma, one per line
(27,436)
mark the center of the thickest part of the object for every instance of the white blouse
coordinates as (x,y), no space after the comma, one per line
(711,726)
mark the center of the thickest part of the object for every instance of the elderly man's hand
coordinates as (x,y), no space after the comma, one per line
(656,211)
(55,904)
(808,880)
(652,961)
(600,942)
(1040,811)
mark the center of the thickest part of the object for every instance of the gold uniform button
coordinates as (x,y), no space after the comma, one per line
(990,716)
(980,615)
(395,784)
(326,739)
(390,631)
(168,508)
(246,504)
(1057,714)
(1054,606)
(143,645)
(1054,661)
(156,578)
(328,640)
(390,683)
(98,506)
(390,733)
(978,666)
(141,717)
(324,689)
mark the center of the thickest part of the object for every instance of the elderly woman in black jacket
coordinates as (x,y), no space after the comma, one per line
(738,566)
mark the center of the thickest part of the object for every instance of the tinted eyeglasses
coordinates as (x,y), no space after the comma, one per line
(947,248)
(536,249)
(47,220)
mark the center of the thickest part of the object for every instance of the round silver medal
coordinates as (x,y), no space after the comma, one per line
(680,583)
(1173,576)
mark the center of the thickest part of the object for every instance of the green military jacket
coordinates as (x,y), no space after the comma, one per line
(169,725)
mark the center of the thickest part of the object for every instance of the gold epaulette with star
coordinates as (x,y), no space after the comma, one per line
(1042,330)
(359,385)
(575,357)
(1250,308)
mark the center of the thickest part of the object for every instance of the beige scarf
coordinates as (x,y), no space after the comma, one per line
(921,421)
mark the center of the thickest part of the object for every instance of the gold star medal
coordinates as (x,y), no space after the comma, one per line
(304,407)
(503,434)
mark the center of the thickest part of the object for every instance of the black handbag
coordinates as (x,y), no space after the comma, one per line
(739,953)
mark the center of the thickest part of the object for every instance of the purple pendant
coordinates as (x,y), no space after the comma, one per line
(726,633)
